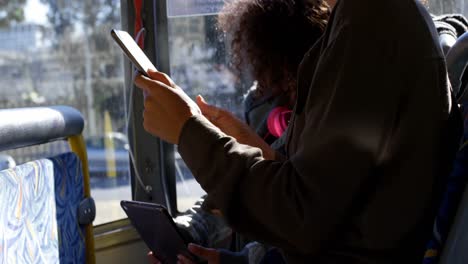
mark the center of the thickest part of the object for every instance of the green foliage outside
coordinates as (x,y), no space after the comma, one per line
(11,12)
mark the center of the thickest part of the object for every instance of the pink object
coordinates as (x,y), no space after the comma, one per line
(278,120)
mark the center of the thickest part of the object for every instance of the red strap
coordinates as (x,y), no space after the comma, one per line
(138,4)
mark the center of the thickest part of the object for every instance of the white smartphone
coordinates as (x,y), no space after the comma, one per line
(132,51)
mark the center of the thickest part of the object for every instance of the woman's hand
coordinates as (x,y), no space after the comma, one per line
(211,255)
(167,106)
(234,127)
(152,259)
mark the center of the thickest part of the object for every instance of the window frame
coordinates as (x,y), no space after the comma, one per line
(154,157)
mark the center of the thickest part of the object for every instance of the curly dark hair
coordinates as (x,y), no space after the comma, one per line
(272,36)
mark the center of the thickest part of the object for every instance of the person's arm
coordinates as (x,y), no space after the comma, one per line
(299,204)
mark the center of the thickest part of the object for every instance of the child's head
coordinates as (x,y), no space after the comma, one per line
(272,36)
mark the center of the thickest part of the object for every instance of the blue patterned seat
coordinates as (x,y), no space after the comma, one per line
(39,205)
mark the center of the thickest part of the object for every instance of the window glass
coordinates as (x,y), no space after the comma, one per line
(200,65)
(60,53)
(194,7)
(439,7)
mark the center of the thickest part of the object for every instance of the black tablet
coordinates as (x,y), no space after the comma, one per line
(157,229)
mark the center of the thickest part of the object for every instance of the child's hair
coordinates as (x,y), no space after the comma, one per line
(272,37)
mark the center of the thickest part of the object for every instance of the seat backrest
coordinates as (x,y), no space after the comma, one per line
(451,225)
(455,250)
(53,211)
(457,58)
(69,193)
(39,202)
(449,208)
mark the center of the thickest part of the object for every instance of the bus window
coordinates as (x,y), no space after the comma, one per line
(438,7)
(199,64)
(60,53)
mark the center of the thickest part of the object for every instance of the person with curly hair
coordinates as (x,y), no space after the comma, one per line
(272,37)
(269,38)
(360,182)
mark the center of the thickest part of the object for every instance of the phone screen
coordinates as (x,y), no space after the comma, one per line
(132,51)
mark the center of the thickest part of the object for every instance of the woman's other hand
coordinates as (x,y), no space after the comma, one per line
(234,127)
(167,106)
(212,256)
(152,259)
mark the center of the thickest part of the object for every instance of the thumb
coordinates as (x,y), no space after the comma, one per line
(205,253)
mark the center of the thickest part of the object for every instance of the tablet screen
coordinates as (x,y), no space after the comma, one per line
(157,229)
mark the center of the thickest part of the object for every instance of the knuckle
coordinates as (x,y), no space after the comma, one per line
(168,80)
(165,76)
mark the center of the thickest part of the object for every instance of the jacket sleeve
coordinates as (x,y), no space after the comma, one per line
(298,204)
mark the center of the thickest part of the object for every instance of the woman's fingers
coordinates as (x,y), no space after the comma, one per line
(148,84)
(209,111)
(144,82)
(161,77)
(213,112)
(184,260)
(152,259)
(166,109)
(155,88)
(206,253)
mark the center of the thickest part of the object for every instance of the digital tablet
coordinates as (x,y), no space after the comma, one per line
(157,229)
